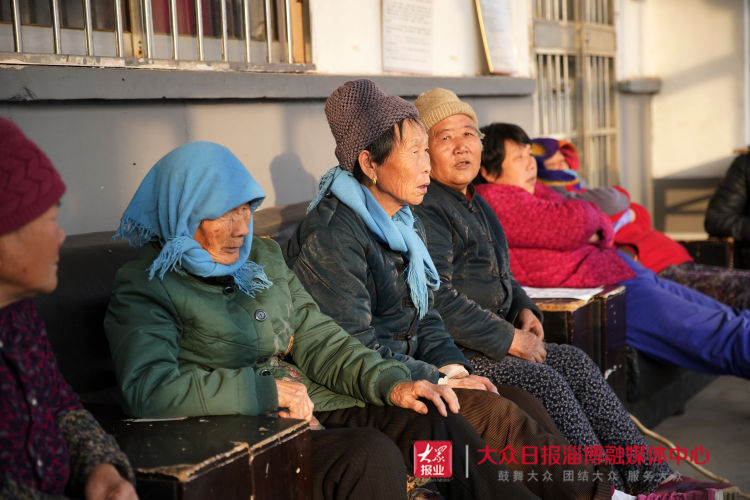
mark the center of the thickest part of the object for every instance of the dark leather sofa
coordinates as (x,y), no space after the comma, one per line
(74,314)
(232,456)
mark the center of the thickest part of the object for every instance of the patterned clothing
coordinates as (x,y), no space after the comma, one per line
(46,437)
(581,403)
(730,286)
(548,237)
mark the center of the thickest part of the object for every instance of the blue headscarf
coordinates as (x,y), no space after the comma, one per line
(196,181)
(397,231)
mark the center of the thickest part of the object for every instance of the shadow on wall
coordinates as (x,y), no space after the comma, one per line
(291,183)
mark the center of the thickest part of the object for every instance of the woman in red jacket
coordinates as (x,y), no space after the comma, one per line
(560,242)
(557,165)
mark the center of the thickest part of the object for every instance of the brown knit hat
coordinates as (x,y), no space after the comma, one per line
(437,104)
(358,112)
(29,184)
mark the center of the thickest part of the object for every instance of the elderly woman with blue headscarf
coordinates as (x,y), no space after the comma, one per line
(360,254)
(207,320)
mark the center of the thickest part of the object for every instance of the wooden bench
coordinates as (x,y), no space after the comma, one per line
(230,456)
(596,325)
(713,251)
(651,390)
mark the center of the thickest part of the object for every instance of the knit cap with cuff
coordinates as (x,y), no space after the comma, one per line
(29,184)
(438,104)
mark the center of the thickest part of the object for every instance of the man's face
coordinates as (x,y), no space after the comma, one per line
(455,151)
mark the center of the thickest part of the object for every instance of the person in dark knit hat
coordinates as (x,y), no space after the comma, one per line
(360,254)
(47,440)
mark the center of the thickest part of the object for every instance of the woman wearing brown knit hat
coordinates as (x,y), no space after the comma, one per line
(47,440)
(360,255)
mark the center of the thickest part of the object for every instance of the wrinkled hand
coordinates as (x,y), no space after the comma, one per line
(293,396)
(105,483)
(472,382)
(407,394)
(527,345)
(528,321)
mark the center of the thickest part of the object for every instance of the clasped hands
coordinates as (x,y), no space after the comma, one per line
(528,339)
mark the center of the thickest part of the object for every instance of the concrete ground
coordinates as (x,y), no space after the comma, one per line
(717,418)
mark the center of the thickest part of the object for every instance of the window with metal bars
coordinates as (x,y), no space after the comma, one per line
(574,56)
(252,35)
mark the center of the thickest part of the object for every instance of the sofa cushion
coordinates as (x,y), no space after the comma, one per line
(74,312)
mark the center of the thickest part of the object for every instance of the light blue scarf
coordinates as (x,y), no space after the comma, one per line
(196,181)
(397,231)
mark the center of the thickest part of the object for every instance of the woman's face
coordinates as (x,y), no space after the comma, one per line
(403,177)
(518,169)
(29,257)
(222,238)
(556,162)
(455,151)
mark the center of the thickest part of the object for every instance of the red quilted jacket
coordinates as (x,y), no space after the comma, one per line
(655,250)
(548,237)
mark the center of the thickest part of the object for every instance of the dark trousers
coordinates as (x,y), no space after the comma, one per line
(404,427)
(356,463)
(517,420)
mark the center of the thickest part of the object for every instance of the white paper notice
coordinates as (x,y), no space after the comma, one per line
(561,293)
(494,22)
(407,36)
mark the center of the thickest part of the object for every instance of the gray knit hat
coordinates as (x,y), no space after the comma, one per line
(358,112)
(437,104)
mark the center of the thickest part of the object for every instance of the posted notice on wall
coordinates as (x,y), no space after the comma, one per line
(497,37)
(407,36)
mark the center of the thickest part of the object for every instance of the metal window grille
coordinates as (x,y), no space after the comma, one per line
(249,35)
(574,54)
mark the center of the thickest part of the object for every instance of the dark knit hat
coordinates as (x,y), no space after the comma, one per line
(29,184)
(358,112)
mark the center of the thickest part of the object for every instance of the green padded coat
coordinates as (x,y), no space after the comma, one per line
(186,346)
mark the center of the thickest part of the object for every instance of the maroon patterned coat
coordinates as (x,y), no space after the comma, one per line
(46,436)
(549,235)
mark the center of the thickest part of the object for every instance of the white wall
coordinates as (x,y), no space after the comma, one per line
(699,50)
(104,149)
(347,37)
